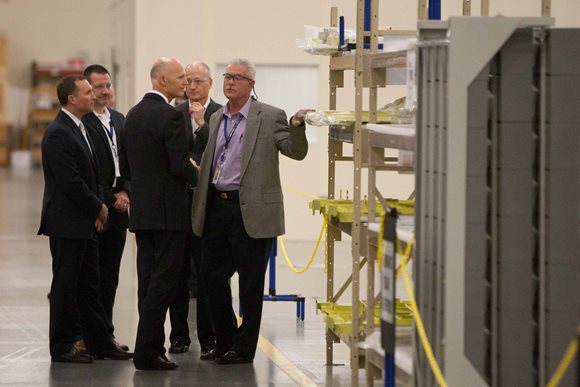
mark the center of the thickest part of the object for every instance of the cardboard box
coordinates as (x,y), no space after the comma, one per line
(3,133)
(3,50)
(4,154)
(3,108)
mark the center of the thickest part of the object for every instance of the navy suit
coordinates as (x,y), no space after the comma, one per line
(154,159)
(71,204)
(112,239)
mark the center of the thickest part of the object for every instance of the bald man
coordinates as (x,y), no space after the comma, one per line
(154,159)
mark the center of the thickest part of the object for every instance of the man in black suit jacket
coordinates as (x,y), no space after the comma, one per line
(72,213)
(103,126)
(154,159)
(197,111)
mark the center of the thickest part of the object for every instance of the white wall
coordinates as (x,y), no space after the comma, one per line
(122,60)
(215,32)
(51,30)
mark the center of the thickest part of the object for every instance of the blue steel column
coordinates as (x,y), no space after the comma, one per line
(434,9)
(272,269)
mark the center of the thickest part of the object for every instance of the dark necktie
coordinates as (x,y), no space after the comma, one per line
(111,131)
(84,133)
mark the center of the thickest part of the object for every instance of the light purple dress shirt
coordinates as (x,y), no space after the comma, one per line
(230,159)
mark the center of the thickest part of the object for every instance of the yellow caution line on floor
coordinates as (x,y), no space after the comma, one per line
(283,363)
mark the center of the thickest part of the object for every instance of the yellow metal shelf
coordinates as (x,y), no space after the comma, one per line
(343,209)
(338,318)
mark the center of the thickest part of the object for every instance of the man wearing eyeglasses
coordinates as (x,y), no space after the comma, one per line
(197,111)
(238,206)
(104,126)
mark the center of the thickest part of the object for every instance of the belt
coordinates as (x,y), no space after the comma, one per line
(226,195)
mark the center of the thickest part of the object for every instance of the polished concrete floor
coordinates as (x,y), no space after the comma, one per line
(291,352)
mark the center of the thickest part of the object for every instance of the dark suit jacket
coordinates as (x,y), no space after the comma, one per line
(103,152)
(72,198)
(154,158)
(197,146)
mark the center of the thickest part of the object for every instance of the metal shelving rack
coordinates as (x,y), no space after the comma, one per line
(369,72)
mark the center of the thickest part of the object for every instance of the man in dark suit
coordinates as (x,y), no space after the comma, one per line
(72,213)
(197,111)
(238,206)
(154,159)
(103,126)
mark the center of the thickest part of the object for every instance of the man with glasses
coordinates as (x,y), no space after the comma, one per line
(197,111)
(103,126)
(238,206)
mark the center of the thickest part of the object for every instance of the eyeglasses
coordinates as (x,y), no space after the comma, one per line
(236,77)
(197,81)
(103,86)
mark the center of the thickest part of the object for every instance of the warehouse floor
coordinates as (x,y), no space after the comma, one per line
(291,352)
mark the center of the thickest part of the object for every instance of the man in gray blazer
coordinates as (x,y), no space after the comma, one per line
(238,206)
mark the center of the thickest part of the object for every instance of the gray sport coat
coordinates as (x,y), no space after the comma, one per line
(267,135)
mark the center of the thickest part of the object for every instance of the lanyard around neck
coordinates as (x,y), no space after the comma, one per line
(110,131)
(229,137)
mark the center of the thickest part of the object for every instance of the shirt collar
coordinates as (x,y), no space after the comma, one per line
(158,93)
(72,116)
(244,111)
(106,116)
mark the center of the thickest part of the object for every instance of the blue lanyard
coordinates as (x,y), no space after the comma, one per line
(229,138)
(110,132)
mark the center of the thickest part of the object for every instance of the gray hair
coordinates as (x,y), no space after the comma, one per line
(201,64)
(247,64)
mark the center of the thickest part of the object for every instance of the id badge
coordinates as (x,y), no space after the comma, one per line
(218,170)
(216,175)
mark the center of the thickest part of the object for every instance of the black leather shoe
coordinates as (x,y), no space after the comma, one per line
(122,347)
(113,354)
(208,353)
(178,347)
(72,356)
(157,364)
(233,357)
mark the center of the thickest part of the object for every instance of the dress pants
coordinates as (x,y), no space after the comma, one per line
(111,246)
(159,258)
(179,307)
(205,330)
(227,248)
(74,296)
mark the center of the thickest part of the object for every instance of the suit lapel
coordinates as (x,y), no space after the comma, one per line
(92,156)
(77,132)
(211,108)
(251,135)
(207,159)
(213,131)
(117,124)
(188,127)
(97,127)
